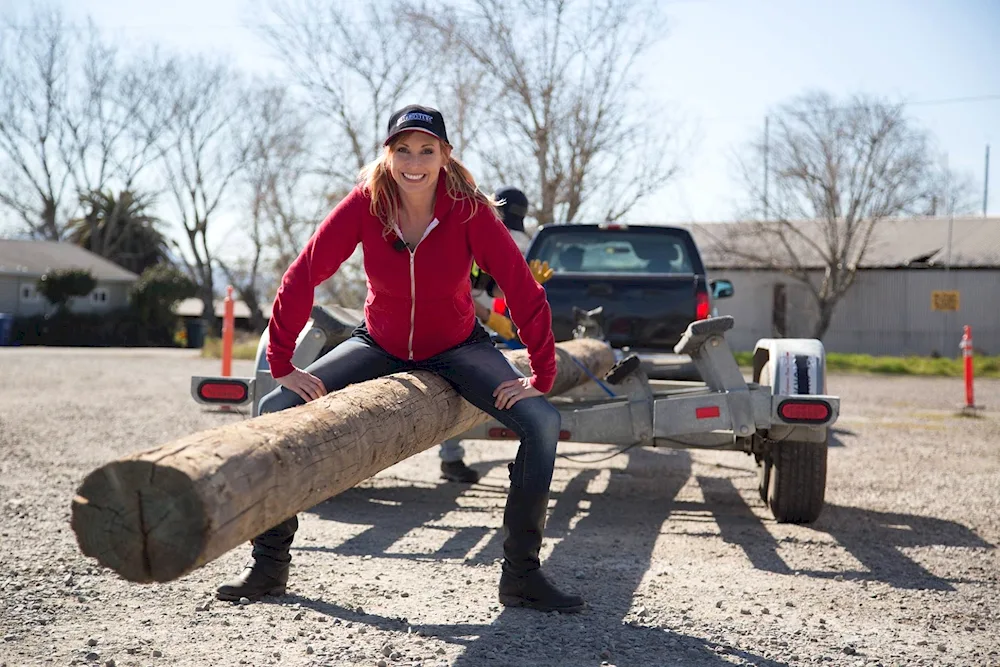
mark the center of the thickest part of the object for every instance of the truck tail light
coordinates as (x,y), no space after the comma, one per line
(804,412)
(701,305)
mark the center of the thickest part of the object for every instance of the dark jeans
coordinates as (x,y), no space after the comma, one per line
(474,368)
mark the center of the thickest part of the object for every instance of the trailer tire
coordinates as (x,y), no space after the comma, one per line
(796,484)
(792,475)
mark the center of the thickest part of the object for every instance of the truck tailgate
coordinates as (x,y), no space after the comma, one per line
(639,310)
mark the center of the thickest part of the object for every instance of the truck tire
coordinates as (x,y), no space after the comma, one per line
(792,475)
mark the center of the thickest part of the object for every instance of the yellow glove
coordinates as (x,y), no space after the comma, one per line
(501,325)
(540,270)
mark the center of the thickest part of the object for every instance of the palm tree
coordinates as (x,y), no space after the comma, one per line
(120,229)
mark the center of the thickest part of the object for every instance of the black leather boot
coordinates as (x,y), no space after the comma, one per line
(522,583)
(267,571)
(457,471)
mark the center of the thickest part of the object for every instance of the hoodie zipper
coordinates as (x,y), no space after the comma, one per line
(413,283)
(413,298)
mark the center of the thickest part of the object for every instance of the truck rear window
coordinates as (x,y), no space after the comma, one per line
(600,251)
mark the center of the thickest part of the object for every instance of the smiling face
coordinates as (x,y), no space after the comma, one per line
(416,158)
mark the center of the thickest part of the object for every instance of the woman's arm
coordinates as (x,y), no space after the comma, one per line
(334,241)
(495,251)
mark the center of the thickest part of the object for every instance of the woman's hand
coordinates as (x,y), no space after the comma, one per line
(510,392)
(306,385)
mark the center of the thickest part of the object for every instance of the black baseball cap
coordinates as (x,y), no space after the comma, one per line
(418,118)
(515,201)
(514,207)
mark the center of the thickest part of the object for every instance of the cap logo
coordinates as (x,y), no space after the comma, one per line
(415,115)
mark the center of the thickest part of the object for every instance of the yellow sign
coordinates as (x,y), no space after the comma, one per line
(944,300)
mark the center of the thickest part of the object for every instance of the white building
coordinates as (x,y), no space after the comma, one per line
(889,309)
(22,263)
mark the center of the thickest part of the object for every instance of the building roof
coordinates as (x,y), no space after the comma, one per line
(195,307)
(896,243)
(33,259)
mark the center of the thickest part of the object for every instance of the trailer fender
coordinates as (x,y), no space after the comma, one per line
(798,365)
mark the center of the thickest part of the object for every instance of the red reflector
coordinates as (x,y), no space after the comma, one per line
(801,411)
(223,391)
(507,433)
(708,412)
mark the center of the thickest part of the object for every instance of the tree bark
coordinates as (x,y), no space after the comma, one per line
(159,514)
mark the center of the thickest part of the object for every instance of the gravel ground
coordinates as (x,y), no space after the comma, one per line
(678,558)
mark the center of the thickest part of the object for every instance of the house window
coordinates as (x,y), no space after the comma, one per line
(99,295)
(29,294)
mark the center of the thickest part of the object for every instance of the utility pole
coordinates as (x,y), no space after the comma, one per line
(986,181)
(767,123)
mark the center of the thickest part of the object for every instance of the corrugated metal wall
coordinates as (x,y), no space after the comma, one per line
(885,313)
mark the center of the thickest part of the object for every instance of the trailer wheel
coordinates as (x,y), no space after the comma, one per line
(797,481)
(792,475)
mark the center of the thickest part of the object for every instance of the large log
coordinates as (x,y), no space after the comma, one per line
(159,514)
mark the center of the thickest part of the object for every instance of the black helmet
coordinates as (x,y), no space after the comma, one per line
(514,208)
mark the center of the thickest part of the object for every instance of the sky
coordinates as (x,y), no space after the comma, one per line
(722,66)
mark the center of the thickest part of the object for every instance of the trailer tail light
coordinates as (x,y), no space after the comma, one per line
(805,412)
(506,433)
(219,390)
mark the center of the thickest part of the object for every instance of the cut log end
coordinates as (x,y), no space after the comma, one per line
(140,519)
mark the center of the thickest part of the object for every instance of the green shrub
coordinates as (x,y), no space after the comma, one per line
(61,286)
(152,299)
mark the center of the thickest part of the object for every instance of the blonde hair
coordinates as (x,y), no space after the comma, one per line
(460,185)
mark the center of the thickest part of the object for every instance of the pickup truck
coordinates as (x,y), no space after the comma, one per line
(648,283)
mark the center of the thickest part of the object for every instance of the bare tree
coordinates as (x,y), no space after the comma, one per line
(285,201)
(951,193)
(838,171)
(464,96)
(276,163)
(34,86)
(355,63)
(566,119)
(73,120)
(113,124)
(201,152)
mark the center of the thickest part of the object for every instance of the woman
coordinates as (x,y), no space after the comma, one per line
(421,221)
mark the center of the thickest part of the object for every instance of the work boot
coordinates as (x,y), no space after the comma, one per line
(267,571)
(522,583)
(457,471)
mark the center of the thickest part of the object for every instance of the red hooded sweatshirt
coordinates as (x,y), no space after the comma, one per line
(419,302)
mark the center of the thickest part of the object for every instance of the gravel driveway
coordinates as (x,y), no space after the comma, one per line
(676,554)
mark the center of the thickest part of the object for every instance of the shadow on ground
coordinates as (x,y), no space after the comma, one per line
(589,558)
